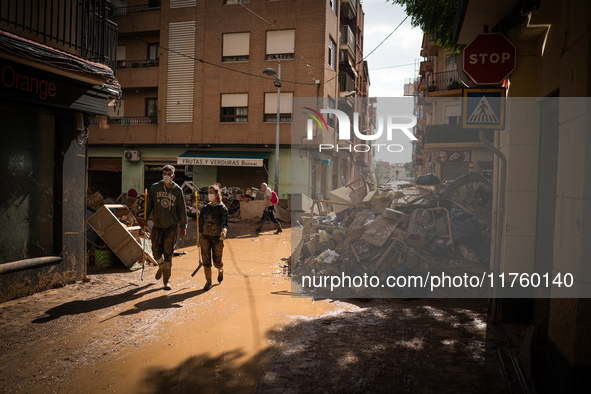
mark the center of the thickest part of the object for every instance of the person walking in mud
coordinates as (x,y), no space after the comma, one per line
(269,212)
(213,227)
(166,203)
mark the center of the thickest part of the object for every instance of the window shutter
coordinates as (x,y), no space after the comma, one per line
(236,44)
(285,105)
(235,100)
(280,41)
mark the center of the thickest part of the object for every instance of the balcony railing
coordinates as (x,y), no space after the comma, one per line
(348,38)
(125,120)
(137,63)
(132,9)
(79,27)
(446,80)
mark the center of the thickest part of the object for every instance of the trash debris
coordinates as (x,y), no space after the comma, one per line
(419,228)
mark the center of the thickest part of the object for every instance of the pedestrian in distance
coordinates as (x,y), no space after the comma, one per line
(213,227)
(166,203)
(269,213)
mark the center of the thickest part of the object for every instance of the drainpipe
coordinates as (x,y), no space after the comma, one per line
(494,308)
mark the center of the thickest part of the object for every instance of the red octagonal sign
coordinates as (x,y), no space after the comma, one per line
(489,59)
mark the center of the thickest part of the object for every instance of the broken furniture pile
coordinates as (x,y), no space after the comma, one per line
(416,230)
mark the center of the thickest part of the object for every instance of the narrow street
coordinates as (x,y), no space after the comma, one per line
(119,334)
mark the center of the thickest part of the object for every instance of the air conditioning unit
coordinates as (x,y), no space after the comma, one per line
(131,155)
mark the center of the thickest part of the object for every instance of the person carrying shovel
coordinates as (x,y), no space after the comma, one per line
(166,203)
(213,227)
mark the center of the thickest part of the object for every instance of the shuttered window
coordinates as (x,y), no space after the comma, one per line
(235,47)
(181,72)
(234,107)
(280,44)
(182,3)
(285,106)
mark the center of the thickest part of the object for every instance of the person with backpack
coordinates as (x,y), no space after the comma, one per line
(271,200)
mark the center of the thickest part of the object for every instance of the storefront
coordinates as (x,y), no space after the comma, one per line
(43,172)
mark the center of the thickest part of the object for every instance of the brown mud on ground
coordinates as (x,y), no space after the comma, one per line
(120,334)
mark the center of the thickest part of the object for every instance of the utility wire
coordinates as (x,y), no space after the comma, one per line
(276,29)
(226,68)
(272,79)
(384,40)
(398,65)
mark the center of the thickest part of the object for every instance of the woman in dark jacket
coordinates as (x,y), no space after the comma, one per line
(213,226)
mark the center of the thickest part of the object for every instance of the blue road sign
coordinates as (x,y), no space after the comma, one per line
(483,108)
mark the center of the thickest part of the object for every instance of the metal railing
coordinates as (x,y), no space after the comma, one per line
(137,63)
(348,38)
(446,80)
(132,9)
(126,120)
(83,27)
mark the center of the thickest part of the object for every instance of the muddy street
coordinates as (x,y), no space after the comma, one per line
(119,334)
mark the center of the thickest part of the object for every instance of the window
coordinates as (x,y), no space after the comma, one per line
(332,54)
(285,107)
(453,114)
(236,1)
(330,117)
(333,5)
(280,44)
(121,52)
(234,108)
(152,110)
(153,51)
(235,47)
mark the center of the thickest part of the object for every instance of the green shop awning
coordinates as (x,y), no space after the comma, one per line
(224,159)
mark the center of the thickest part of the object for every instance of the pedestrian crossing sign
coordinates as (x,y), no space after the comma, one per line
(483,108)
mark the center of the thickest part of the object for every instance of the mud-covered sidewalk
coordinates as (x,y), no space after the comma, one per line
(117,333)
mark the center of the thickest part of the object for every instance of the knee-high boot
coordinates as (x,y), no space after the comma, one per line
(159,272)
(278,228)
(207,271)
(166,273)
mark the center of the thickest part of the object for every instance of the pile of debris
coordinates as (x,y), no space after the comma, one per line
(415,230)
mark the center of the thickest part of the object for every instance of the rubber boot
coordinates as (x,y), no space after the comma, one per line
(220,275)
(165,278)
(278,228)
(207,271)
(159,272)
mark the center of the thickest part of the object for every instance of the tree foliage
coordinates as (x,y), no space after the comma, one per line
(435,17)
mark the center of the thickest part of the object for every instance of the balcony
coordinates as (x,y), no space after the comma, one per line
(346,85)
(132,9)
(137,63)
(349,9)
(81,28)
(443,81)
(125,120)
(138,73)
(453,134)
(138,18)
(348,40)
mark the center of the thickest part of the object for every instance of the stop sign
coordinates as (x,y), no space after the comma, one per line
(489,59)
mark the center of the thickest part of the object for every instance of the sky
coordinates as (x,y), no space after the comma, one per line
(401,49)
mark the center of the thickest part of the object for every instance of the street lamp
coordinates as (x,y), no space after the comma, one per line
(271,72)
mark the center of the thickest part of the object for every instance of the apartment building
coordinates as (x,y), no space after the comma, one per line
(195,95)
(544,227)
(443,147)
(55,61)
